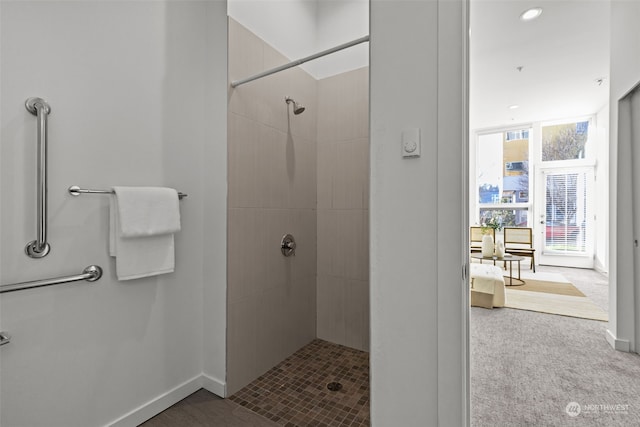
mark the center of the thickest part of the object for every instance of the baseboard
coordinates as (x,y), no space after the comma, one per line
(600,269)
(214,385)
(618,344)
(159,404)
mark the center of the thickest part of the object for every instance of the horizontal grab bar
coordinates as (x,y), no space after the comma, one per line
(74,190)
(5,338)
(90,274)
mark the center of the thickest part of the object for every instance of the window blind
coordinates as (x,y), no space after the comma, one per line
(566,210)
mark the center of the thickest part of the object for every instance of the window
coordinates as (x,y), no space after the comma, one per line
(523,196)
(519,134)
(565,141)
(508,196)
(507,217)
(516,166)
(502,165)
(560,210)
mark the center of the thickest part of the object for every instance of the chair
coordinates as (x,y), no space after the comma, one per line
(475,238)
(519,241)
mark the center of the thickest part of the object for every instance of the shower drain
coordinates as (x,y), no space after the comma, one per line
(334,386)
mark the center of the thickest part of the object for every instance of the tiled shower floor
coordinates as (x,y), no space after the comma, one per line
(294,393)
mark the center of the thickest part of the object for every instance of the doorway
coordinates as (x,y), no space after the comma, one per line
(566,220)
(524,84)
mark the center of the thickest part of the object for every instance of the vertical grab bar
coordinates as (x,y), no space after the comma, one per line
(40,248)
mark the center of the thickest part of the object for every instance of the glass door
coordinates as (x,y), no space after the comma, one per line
(566,190)
(567,220)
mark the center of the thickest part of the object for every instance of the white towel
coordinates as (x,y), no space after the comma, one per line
(147,211)
(142,223)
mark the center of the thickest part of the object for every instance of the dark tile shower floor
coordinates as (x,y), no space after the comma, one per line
(295,393)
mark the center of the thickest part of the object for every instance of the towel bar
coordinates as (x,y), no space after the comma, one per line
(74,190)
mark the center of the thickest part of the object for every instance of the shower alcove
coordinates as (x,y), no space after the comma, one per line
(302,174)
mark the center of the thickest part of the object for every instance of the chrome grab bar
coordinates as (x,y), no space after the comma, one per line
(74,190)
(90,274)
(40,248)
(5,338)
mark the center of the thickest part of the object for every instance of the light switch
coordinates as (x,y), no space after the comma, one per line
(411,142)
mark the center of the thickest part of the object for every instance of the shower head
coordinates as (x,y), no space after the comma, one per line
(297,108)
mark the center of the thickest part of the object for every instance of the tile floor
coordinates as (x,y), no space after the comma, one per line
(292,394)
(205,409)
(295,393)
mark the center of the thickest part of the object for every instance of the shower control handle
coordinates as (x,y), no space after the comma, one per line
(288,245)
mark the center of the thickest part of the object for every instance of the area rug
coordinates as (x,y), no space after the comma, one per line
(561,298)
(559,288)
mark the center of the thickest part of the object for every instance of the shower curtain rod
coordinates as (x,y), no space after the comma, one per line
(295,63)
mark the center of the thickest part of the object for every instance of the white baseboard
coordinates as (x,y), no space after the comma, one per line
(600,269)
(159,404)
(214,385)
(618,344)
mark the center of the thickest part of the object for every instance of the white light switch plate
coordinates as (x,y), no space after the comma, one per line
(411,142)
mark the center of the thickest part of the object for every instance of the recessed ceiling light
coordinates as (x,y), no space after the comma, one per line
(531,14)
(513,107)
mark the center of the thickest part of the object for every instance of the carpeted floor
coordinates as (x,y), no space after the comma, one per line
(527,367)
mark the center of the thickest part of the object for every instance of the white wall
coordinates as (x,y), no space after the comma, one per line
(601,261)
(214,189)
(625,74)
(418,208)
(136,341)
(289,26)
(340,22)
(298,28)
(132,102)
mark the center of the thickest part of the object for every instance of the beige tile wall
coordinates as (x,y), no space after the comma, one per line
(343,209)
(306,175)
(272,192)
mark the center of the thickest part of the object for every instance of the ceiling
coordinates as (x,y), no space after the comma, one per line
(299,28)
(562,54)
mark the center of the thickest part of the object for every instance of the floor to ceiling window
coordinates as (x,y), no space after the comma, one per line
(567,166)
(540,176)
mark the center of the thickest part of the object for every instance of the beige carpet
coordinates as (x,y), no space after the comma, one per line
(554,298)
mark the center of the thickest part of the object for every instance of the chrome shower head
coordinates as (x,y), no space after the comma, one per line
(297,108)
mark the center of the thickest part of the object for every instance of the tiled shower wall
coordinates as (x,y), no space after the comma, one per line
(343,209)
(272,192)
(302,174)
